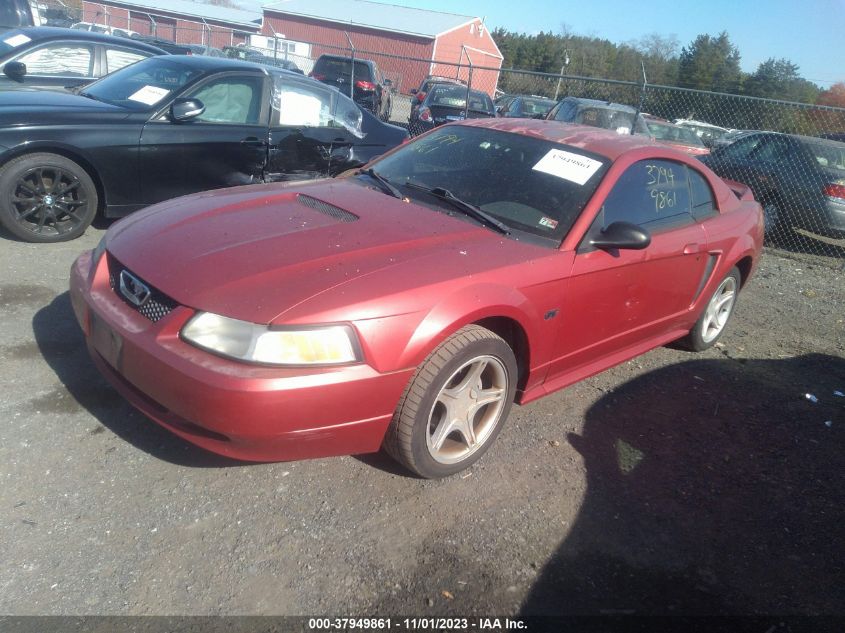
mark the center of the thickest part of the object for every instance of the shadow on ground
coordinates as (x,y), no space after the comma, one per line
(714,487)
(61,343)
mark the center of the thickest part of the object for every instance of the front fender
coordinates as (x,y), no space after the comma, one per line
(470,305)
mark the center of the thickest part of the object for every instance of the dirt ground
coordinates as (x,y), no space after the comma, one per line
(673,484)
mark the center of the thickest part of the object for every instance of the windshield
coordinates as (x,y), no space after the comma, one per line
(537,106)
(673,133)
(456,97)
(606,118)
(144,85)
(342,68)
(533,186)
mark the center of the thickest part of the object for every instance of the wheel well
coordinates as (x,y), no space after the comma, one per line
(76,158)
(744,267)
(513,334)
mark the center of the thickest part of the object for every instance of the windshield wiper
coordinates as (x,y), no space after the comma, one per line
(383,183)
(462,205)
(88,95)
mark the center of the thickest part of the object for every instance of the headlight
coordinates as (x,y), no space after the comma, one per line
(248,342)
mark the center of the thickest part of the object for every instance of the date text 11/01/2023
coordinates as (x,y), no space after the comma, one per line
(417,624)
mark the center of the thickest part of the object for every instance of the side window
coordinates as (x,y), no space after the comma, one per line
(701,196)
(772,150)
(61,60)
(742,148)
(233,99)
(117,58)
(313,105)
(650,193)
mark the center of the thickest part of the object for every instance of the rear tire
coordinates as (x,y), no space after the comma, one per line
(46,198)
(455,405)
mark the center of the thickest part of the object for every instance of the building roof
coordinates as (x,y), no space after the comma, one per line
(373,15)
(197,10)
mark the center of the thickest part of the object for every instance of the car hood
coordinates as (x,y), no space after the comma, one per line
(39,107)
(256,252)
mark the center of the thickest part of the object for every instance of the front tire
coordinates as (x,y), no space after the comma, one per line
(455,405)
(46,198)
(713,321)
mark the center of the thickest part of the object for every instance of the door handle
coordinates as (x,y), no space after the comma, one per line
(692,248)
(253,141)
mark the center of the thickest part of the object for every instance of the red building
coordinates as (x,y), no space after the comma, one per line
(406,43)
(180,21)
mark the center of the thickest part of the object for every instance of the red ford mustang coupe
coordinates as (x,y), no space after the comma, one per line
(408,305)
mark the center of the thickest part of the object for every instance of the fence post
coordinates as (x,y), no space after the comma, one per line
(562,71)
(642,99)
(469,85)
(352,65)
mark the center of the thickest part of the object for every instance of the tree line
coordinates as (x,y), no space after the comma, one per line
(710,63)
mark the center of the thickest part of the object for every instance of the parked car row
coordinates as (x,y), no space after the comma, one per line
(167,126)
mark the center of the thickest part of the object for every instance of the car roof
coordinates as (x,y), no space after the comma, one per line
(40,33)
(345,58)
(211,64)
(815,140)
(597,140)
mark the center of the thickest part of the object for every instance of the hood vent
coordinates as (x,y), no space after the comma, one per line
(326,209)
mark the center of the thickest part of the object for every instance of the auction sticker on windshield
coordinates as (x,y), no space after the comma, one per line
(17,40)
(149,95)
(569,166)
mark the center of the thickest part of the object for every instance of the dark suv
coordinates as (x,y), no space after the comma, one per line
(370,89)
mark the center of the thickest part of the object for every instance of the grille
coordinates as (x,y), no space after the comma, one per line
(326,209)
(155,308)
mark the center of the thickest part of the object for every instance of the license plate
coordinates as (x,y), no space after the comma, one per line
(455,117)
(106,341)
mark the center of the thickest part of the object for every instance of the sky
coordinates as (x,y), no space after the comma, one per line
(810,34)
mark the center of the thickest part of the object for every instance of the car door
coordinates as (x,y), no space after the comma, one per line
(56,65)
(624,300)
(312,130)
(224,146)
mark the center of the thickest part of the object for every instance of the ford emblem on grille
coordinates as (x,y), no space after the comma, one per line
(135,290)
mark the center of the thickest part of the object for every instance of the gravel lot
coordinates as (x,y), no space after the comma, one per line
(675,483)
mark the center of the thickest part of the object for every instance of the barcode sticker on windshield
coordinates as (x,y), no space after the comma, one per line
(149,95)
(569,166)
(17,40)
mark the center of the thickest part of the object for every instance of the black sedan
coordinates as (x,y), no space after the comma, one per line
(799,180)
(55,58)
(165,127)
(444,103)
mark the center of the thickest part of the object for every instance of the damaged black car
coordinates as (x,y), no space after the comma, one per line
(165,127)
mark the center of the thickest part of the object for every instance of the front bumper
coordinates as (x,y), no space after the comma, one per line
(234,409)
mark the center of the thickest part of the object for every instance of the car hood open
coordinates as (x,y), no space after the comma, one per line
(255,252)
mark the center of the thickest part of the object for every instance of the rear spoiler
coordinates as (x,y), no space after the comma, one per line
(741,191)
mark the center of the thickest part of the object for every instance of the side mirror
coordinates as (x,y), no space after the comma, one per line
(186,109)
(623,235)
(388,82)
(15,70)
